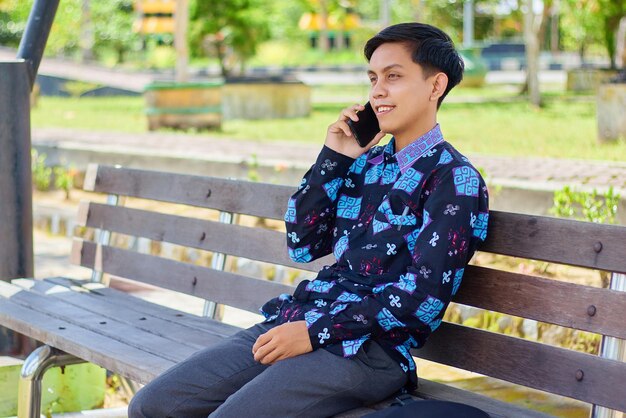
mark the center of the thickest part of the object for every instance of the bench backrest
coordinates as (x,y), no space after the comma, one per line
(554,369)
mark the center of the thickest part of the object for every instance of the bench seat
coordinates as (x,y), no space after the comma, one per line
(140,340)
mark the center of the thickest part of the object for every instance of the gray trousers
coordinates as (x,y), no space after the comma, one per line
(225,381)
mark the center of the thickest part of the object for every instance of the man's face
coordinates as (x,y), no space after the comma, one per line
(400,94)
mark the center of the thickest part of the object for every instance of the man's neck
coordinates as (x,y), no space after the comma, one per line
(405,138)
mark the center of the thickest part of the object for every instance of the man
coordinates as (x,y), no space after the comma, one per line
(402,220)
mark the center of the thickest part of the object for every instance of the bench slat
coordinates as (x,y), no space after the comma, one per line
(125,300)
(253,243)
(528,363)
(237,196)
(219,286)
(129,361)
(178,330)
(545,300)
(107,326)
(557,240)
(517,235)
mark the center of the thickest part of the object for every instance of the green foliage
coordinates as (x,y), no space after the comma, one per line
(13,16)
(581,25)
(230,30)
(78,88)
(612,12)
(112,22)
(253,168)
(588,22)
(65,33)
(64,179)
(42,174)
(585,206)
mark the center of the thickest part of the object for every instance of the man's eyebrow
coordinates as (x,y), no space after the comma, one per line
(387,68)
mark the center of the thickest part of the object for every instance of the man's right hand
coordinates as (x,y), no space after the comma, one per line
(339,137)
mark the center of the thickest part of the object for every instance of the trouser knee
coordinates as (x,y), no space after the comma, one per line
(143,406)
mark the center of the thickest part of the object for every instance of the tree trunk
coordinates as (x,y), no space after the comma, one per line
(531,29)
(324,43)
(621,42)
(86,33)
(543,27)
(610,31)
(554,27)
(221,56)
(180,39)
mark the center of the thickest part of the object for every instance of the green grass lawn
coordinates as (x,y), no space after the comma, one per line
(565,127)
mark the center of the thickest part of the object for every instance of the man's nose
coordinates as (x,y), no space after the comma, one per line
(378,90)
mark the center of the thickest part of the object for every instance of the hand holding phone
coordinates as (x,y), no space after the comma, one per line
(366,128)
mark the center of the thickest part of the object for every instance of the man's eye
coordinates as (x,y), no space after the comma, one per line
(393,76)
(372,80)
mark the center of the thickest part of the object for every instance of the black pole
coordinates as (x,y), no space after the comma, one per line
(36,34)
(16,197)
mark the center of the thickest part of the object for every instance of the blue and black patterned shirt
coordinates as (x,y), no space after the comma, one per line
(402,227)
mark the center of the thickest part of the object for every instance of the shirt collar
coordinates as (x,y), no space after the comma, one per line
(407,156)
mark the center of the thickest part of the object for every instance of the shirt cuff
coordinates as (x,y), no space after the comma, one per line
(321,332)
(331,163)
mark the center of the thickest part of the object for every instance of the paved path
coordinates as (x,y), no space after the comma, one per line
(530,172)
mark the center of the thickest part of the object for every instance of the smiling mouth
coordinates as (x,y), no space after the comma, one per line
(381,110)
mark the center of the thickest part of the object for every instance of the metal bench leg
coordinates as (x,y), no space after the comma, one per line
(35,366)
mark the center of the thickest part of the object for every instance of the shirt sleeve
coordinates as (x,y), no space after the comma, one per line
(453,224)
(310,215)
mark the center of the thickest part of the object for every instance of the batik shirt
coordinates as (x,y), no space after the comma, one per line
(402,227)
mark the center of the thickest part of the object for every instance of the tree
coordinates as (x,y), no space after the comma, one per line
(230,29)
(532,25)
(612,12)
(113,27)
(588,22)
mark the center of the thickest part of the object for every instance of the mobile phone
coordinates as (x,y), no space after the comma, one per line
(366,128)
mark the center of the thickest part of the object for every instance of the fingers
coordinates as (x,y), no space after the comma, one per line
(351,112)
(262,347)
(272,357)
(261,341)
(340,127)
(266,355)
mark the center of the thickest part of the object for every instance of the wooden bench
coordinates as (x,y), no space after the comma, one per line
(82,320)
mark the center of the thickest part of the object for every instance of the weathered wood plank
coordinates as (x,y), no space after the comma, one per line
(583,244)
(107,326)
(528,363)
(575,306)
(252,243)
(180,330)
(129,361)
(219,286)
(237,196)
(119,298)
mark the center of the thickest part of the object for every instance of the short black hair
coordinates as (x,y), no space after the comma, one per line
(430,47)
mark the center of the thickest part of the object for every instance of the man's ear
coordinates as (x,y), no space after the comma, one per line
(440,83)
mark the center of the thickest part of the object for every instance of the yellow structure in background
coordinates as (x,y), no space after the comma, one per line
(313,22)
(155,16)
